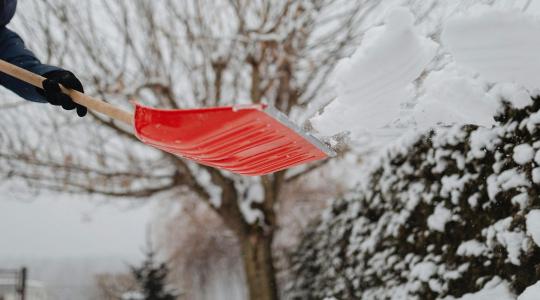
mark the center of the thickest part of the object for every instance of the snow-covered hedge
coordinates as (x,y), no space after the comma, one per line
(452,212)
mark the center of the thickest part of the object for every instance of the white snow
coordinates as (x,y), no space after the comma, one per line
(439,218)
(453,98)
(499,44)
(471,248)
(516,94)
(507,180)
(536,175)
(424,270)
(482,139)
(533,225)
(537,157)
(373,83)
(406,76)
(523,154)
(513,241)
(205,180)
(473,200)
(496,289)
(522,200)
(453,186)
(254,193)
(132,296)
(532,125)
(531,293)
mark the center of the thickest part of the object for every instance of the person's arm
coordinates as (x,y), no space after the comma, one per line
(13,50)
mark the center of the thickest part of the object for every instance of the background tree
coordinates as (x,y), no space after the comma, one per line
(114,286)
(204,255)
(178,54)
(152,279)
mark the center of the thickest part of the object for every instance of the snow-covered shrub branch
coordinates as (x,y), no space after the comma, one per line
(442,214)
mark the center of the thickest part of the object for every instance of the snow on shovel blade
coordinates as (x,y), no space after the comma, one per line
(249,140)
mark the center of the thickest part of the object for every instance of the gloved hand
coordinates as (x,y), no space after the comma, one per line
(53,94)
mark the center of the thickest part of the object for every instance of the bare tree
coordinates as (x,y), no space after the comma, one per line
(203,254)
(179,54)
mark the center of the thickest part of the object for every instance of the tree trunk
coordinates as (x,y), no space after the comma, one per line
(259,266)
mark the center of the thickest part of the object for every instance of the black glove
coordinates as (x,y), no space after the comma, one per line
(53,94)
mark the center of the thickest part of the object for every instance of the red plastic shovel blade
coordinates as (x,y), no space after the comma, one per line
(249,140)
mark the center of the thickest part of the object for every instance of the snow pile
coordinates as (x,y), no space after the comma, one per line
(508,64)
(378,77)
(531,293)
(501,45)
(451,214)
(453,97)
(406,76)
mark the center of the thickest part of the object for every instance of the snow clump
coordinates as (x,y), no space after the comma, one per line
(377,78)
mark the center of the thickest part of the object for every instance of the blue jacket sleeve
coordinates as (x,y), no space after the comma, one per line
(13,50)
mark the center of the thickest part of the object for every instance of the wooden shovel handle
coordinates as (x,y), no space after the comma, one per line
(80,98)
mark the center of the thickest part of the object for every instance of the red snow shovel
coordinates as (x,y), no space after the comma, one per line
(249,140)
